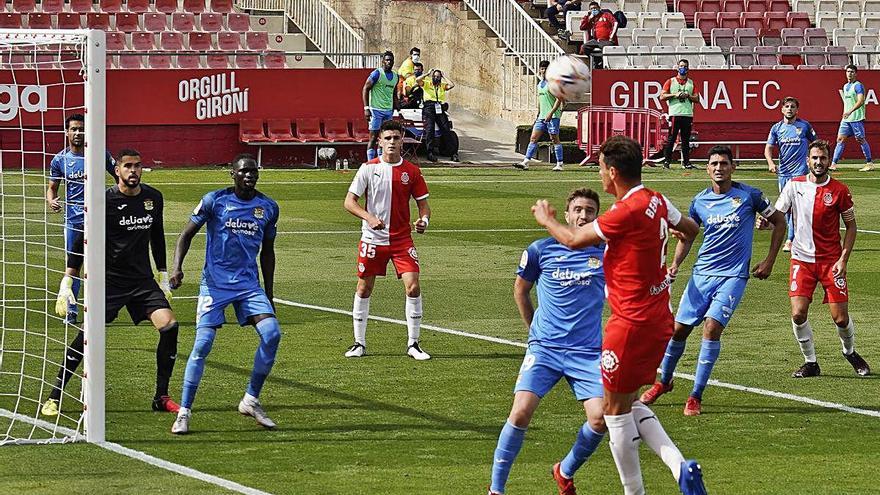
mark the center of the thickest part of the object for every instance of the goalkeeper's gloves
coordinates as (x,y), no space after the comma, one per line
(65,296)
(165,285)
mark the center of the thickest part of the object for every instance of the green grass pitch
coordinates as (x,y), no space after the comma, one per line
(386,424)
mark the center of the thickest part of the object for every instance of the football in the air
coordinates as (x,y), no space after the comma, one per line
(568,78)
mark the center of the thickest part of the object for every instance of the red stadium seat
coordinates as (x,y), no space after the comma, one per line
(189,61)
(775,20)
(98,20)
(137,6)
(131,62)
(705,22)
(143,41)
(127,22)
(247,61)
(10,20)
(80,6)
(336,130)
(199,41)
(814,55)
(52,6)
(360,130)
(238,22)
(767,55)
(217,60)
(771,37)
(166,6)
(837,55)
(752,20)
(688,8)
(798,20)
(183,22)
(759,6)
(723,38)
(742,56)
(24,6)
(734,6)
(155,21)
(728,20)
(816,37)
(710,6)
(793,37)
(279,131)
(308,130)
(159,60)
(257,40)
(171,41)
(69,21)
(790,55)
(229,41)
(251,130)
(780,6)
(111,6)
(194,6)
(274,60)
(746,37)
(116,41)
(211,22)
(221,6)
(39,21)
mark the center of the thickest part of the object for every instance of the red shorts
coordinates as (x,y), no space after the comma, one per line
(372,259)
(632,353)
(804,277)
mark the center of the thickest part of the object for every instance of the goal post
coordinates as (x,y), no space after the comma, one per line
(45,77)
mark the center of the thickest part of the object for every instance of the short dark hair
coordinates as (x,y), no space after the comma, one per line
(624,154)
(791,99)
(543,64)
(392,125)
(583,192)
(419,64)
(822,145)
(414,49)
(388,53)
(720,149)
(851,66)
(685,61)
(127,152)
(243,157)
(77,117)
(594,3)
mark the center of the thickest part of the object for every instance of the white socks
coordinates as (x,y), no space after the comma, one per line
(847,337)
(655,436)
(359,313)
(804,335)
(413,319)
(624,441)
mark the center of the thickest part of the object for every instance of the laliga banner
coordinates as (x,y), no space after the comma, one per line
(738,96)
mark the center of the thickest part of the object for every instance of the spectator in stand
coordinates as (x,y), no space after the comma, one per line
(433,111)
(600,30)
(678,93)
(557,7)
(406,69)
(413,94)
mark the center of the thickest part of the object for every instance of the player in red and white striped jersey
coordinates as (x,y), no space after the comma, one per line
(388,183)
(817,202)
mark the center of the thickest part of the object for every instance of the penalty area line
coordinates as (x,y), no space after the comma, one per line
(138,455)
(713,382)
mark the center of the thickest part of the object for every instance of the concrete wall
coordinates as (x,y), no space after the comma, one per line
(448,40)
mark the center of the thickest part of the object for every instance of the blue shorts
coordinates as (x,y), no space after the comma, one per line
(378,117)
(213,302)
(551,127)
(544,366)
(848,129)
(709,296)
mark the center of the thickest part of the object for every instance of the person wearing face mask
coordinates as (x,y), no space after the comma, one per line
(678,93)
(600,30)
(407,68)
(413,93)
(433,110)
(557,7)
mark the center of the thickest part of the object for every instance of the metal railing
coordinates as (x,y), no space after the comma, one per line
(323,27)
(520,33)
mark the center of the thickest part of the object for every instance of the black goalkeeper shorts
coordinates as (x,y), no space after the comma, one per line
(140,300)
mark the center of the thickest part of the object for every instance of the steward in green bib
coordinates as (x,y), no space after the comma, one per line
(852,124)
(678,93)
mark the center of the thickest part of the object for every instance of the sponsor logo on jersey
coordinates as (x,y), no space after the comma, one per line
(132,222)
(827,199)
(259,212)
(569,277)
(404,178)
(239,226)
(609,361)
(148,204)
(724,221)
(524,259)
(664,285)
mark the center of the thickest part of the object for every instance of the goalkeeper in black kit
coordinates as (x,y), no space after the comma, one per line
(134,227)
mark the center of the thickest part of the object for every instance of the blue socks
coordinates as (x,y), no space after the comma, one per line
(866,149)
(71,308)
(674,350)
(371,153)
(531,150)
(509,442)
(709,351)
(270,335)
(195,365)
(557,150)
(838,152)
(586,443)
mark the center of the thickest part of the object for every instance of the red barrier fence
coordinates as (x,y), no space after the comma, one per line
(598,123)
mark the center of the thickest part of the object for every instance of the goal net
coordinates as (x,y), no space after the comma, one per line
(45,77)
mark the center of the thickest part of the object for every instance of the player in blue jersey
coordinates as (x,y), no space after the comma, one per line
(727,211)
(565,340)
(69,166)
(793,136)
(852,124)
(241,224)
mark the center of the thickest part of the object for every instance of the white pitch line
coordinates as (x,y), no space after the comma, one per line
(716,383)
(140,456)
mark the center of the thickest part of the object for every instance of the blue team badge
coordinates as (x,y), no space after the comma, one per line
(148,204)
(593,262)
(258,212)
